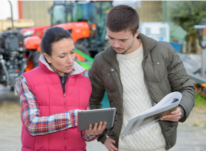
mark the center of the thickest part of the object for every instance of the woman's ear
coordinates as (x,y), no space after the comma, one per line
(47,57)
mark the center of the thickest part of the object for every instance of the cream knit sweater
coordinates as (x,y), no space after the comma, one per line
(135,101)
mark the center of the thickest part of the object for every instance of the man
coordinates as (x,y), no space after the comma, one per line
(137,72)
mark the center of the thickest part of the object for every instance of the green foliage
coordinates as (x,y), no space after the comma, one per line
(188,13)
(200,100)
(195,125)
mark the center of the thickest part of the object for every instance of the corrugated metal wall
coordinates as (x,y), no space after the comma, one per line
(38,11)
(150,11)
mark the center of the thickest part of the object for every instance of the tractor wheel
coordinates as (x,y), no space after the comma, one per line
(12,88)
(35,58)
(82,48)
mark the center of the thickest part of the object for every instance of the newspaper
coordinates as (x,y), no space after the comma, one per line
(163,107)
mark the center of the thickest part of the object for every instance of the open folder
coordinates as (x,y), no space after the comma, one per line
(152,115)
(87,117)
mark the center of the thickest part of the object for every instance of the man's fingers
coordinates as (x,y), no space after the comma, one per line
(113,147)
(176,111)
(109,143)
(113,141)
(171,118)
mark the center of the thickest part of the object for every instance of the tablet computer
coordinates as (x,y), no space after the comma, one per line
(87,117)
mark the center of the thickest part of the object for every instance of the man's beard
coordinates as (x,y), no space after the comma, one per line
(126,50)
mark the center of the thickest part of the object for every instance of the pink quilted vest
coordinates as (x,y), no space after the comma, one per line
(46,87)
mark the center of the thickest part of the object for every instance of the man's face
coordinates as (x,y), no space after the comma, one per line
(123,41)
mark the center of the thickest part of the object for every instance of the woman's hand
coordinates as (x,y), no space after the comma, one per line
(96,130)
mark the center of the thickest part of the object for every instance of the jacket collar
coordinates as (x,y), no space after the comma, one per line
(44,64)
(110,55)
(147,42)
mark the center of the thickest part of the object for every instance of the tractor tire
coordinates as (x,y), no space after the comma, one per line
(12,88)
(82,48)
(35,58)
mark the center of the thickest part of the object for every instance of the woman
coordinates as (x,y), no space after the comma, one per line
(51,96)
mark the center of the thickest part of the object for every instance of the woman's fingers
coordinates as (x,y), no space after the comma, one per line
(97,129)
(104,126)
(100,127)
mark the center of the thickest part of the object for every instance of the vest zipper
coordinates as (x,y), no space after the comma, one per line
(65,130)
(65,111)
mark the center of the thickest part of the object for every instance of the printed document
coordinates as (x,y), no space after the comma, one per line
(152,115)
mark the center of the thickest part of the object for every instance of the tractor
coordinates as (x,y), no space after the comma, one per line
(83,19)
(12,59)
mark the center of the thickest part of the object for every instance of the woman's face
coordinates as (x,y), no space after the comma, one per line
(62,56)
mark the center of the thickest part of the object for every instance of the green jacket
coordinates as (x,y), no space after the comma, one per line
(163,73)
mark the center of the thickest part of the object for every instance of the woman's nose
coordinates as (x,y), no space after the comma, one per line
(69,58)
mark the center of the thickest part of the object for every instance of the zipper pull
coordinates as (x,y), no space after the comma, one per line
(64,95)
(62,80)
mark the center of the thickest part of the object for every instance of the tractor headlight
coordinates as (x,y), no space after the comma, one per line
(28,33)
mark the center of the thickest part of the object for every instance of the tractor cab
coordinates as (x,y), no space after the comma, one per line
(91,12)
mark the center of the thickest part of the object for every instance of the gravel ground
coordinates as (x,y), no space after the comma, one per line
(191,134)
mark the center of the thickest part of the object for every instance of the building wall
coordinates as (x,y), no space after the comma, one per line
(37,10)
(5,10)
(150,11)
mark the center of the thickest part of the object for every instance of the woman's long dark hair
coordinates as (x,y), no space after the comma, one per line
(53,34)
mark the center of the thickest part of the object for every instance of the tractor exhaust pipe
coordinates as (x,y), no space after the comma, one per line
(12,21)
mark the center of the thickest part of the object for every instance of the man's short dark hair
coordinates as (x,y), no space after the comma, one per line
(122,17)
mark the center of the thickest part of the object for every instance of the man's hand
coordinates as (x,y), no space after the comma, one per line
(174,115)
(109,144)
(96,130)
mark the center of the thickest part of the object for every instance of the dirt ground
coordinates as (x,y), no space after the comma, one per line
(191,134)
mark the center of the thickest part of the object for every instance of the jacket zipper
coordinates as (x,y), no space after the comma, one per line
(143,62)
(64,111)
(118,83)
(120,87)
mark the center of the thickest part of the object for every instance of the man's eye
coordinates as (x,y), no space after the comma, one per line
(123,40)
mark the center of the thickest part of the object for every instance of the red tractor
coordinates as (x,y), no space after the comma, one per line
(84,20)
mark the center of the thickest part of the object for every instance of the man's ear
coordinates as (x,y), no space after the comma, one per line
(47,57)
(136,33)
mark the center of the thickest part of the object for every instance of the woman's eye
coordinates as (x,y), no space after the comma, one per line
(72,52)
(62,56)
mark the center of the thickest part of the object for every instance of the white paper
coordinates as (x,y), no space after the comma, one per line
(152,115)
